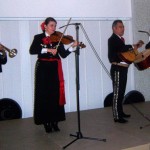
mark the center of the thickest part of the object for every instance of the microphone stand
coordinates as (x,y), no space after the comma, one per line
(141,127)
(79,134)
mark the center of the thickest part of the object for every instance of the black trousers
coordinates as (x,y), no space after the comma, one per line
(119,81)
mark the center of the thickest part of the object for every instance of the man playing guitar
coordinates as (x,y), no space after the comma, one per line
(119,69)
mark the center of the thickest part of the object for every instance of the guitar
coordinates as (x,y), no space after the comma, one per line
(130,55)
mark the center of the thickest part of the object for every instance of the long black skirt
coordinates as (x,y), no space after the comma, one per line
(46,98)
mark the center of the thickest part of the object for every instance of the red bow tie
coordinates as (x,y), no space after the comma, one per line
(123,39)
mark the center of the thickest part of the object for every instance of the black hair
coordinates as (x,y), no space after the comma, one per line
(115,22)
(47,20)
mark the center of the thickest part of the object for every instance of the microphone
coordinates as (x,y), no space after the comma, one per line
(141,31)
(76,24)
(145,32)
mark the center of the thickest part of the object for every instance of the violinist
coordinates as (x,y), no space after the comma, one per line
(3,57)
(49,98)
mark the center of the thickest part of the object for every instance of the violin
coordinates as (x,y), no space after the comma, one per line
(66,39)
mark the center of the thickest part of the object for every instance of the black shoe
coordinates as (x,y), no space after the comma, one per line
(48,127)
(55,126)
(121,120)
(126,115)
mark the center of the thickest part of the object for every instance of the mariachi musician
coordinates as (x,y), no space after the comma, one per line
(49,98)
(147,45)
(119,69)
(3,57)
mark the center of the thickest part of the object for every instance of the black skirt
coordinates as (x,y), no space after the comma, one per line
(46,98)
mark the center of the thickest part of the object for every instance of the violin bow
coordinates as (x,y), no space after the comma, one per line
(63,33)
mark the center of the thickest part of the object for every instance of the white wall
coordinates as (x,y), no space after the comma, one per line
(16,31)
(141,21)
(65,8)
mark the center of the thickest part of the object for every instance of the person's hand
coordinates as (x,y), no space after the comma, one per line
(138,44)
(75,43)
(1,47)
(52,51)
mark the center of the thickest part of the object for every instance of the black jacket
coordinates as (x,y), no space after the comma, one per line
(115,46)
(3,60)
(147,45)
(36,48)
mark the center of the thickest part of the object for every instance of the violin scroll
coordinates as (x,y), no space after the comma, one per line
(82,45)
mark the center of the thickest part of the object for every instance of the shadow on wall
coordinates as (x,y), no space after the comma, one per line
(131,97)
(9,109)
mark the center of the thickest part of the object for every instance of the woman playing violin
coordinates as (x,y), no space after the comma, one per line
(49,98)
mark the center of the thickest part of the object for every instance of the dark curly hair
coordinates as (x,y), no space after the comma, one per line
(47,20)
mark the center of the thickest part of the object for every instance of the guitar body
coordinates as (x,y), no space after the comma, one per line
(141,65)
(128,56)
(144,64)
(142,60)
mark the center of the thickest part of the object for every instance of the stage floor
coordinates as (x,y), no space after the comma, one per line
(22,134)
